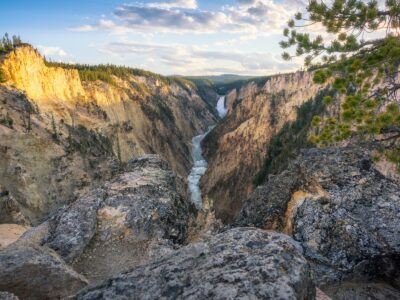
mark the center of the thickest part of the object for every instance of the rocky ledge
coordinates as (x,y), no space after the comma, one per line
(241,263)
(123,223)
(344,213)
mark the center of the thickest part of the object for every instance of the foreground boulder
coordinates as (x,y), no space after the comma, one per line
(242,263)
(125,222)
(34,272)
(340,208)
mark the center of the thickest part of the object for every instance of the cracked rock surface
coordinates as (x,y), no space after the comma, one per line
(340,208)
(241,263)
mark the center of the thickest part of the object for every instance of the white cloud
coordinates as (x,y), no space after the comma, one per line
(83,28)
(247,16)
(189,4)
(180,58)
(52,51)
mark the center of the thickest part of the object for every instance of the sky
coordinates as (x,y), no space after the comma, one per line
(170,37)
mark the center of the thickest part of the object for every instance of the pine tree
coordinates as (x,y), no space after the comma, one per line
(16,41)
(54,128)
(365,73)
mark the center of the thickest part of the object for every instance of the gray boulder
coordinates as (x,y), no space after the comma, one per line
(72,229)
(125,222)
(33,272)
(241,263)
(340,208)
(7,296)
(362,291)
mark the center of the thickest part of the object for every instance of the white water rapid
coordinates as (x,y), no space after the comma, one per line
(222,110)
(198,169)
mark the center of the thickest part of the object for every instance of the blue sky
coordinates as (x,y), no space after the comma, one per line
(188,37)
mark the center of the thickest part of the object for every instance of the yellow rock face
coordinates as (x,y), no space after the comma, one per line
(243,137)
(134,115)
(26,70)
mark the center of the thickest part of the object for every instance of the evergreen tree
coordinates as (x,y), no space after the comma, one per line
(16,41)
(54,128)
(365,73)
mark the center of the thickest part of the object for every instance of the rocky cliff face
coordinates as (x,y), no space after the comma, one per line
(61,136)
(237,147)
(344,212)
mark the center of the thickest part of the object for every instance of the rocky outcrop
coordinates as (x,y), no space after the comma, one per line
(25,68)
(361,291)
(126,221)
(340,208)
(7,296)
(34,272)
(9,209)
(238,263)
(236,148)
(62,136)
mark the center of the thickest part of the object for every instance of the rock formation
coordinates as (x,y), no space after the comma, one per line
(341,209)
(236,264)
(34,272)
(123,222)
(236,148)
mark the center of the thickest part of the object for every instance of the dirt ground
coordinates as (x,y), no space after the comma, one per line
(9,233)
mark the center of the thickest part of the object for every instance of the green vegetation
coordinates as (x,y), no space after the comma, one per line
(363,72)
(6,120)
(2,76)
(286,144)
(7,44)
(220,79)
(54,133)
(106,72)
(157,109)
(224,87)
(222,84)
(88,142)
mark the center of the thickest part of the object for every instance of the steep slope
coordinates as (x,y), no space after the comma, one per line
(61,135)
(236,149)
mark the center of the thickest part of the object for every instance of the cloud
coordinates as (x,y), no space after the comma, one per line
(246,16)
(189,4)
(52,51)
(180,58)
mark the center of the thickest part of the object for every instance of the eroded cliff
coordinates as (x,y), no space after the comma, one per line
(61,135)
(236,149)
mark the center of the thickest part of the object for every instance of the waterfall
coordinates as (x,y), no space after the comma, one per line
(222,110)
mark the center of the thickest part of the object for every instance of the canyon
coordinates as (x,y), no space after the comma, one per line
(153,187)
(107,123)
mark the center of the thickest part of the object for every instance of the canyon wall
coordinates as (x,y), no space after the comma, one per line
(61,135)
(236,149)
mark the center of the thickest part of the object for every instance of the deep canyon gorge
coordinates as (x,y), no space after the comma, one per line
(154,187)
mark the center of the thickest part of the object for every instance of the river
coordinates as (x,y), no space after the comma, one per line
(199,163)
